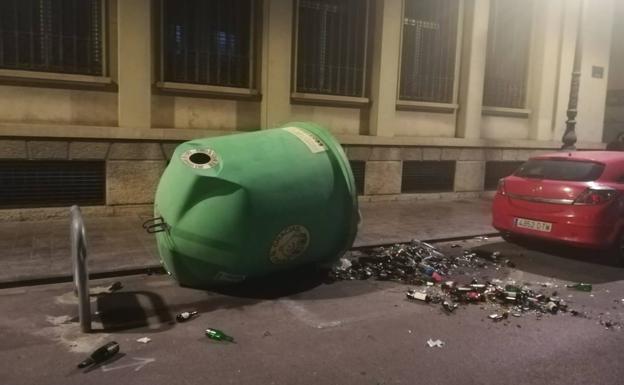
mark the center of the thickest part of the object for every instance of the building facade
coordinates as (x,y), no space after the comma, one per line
(430,98)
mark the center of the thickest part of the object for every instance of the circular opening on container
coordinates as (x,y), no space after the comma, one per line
(200,158)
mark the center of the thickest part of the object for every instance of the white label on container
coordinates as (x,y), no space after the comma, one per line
(314,144)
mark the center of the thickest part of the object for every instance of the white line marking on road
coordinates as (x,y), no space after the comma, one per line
(138,362)
(300,312)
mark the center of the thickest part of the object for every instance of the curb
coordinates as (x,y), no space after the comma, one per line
(158,269)
(47,280)
(432,240)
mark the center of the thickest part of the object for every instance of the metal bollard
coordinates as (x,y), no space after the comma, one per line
(78,241)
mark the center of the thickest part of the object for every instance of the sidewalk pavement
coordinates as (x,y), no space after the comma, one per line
(38,250)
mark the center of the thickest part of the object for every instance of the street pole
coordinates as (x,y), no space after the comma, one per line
(79,262)
(569,136)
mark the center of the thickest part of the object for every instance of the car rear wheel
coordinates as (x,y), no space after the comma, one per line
(507,237)
(618,250)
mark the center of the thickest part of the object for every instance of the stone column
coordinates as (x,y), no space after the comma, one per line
(384,72)
(598,19)
(543,67)
(134,28)
(566,49)
(474,51)
(277,46)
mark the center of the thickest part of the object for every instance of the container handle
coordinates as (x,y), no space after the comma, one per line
(155,225)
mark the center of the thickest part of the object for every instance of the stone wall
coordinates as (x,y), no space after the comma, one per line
(133,170)
(384,167)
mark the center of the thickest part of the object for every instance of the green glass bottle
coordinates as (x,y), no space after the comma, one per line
(218,335)
(581,286)
(512,288)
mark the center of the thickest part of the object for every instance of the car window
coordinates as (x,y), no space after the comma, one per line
(560,169)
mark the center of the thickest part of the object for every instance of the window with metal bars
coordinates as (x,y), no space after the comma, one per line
(427,176)
(429,50)
(331,47)
(52,183)
(358,167)
(495,170)
(52,36)
(507,62)
(208,42)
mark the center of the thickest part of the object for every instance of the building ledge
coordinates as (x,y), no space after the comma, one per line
(208,90)
(365,140)
(70,132)
(409,105)
(329,100)
(54,78)
(508,112)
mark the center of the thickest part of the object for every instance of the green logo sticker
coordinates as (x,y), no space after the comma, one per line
(289,244)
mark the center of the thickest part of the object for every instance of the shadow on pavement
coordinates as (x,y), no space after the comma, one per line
(304,283)
(147,312)
(125,310)
(558,261)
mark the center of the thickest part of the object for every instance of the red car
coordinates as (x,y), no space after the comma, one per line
(572,197)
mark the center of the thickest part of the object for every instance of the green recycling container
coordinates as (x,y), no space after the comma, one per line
(245,205)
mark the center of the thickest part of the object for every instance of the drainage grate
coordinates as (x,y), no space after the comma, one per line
(51,183)
(427,176)
(495,170)
(358,168)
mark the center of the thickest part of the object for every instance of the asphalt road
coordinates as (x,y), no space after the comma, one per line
(304,331)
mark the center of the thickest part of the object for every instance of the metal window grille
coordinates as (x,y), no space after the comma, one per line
(358,168)
(52,36)
(332,40)
(208,42)
(428,176)
(429,50)
(508,54)
(51,183)
(495,170)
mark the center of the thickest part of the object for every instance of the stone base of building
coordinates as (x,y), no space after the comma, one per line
(133,169)
(51,213)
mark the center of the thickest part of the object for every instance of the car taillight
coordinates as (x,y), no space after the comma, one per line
(595,196)
(500,189)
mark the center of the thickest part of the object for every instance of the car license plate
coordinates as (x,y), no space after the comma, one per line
(533,225)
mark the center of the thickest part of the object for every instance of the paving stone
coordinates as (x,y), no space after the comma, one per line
(132,182)
(136,150)
(472,154)
(411,153)
(13,149)
(48,149)
(168,149)
(88,150)
(509,154)
(469,175)
(450,153)
(382,177)
(493,154)
(385,153)
(432,153)
(358,152)
(121,241)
